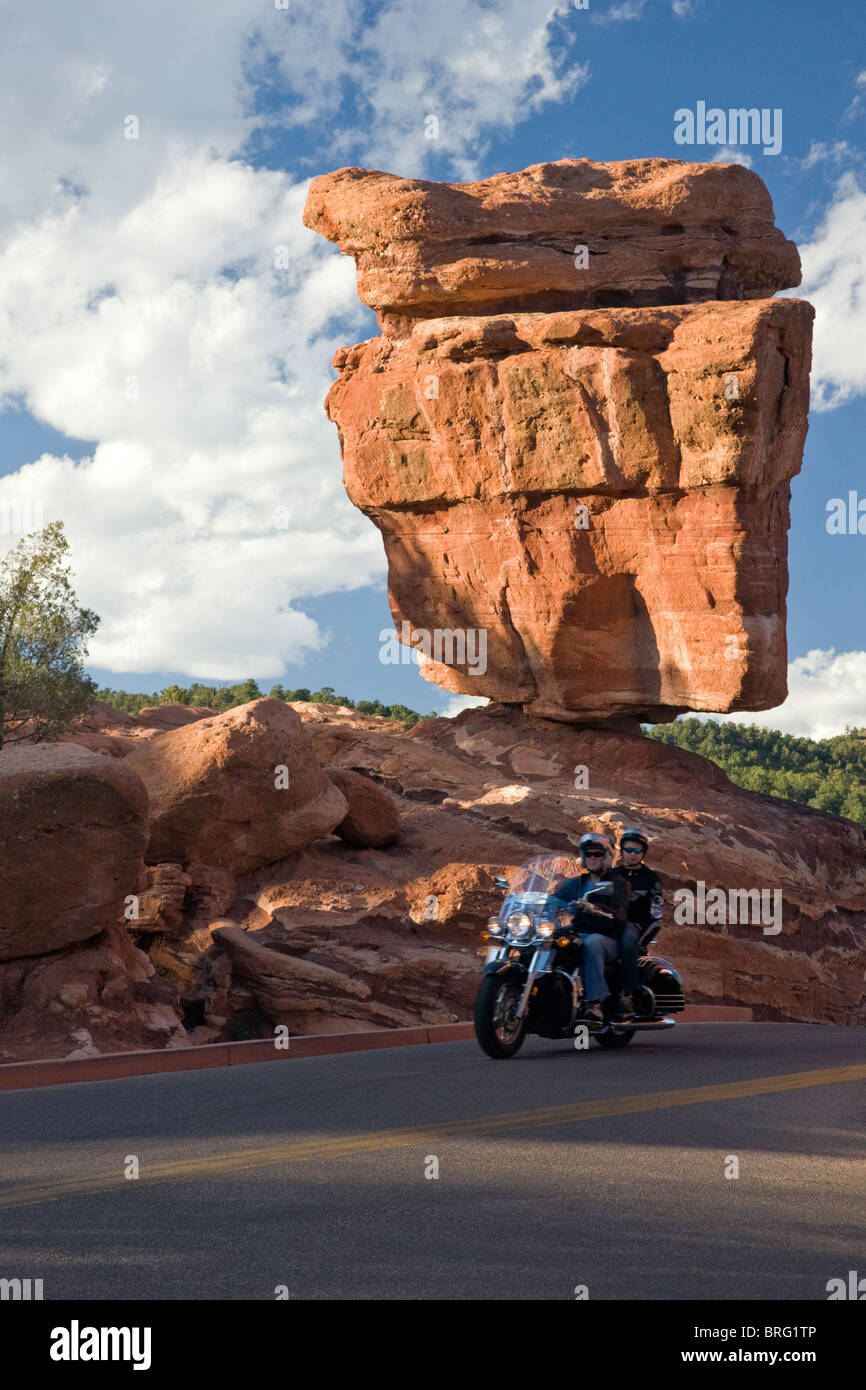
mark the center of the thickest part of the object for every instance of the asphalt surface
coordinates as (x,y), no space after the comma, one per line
(295,1174)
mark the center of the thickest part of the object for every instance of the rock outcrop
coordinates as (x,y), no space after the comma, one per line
(657,231)
(73,830)
(237,790)
(585,509)
(335,936)
(343,938)
(171,716)
(587,518)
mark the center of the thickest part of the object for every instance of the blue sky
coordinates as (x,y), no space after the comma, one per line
(161,386)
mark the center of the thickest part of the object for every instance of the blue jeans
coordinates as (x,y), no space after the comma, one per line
(597,949)
(628,954)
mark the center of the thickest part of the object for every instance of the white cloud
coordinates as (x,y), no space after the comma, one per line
(147,266)
(620,12)
(478,69)
(826,694)
(859,95)
(178,539)
(458,703)
(834,279)
(71,74)
(729,154)
(840,152)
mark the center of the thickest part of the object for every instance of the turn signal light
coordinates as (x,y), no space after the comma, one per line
(562,941)
(485,936)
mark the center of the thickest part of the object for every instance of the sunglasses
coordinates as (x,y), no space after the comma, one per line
(632,849)
(593,854)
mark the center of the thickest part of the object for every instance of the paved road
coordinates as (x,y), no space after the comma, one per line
(556,1169)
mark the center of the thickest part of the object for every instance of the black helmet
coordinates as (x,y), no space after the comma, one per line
(597,840)
(634,834)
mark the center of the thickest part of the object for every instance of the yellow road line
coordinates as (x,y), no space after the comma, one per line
(304,1151)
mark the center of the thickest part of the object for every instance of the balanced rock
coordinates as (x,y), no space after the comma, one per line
(589,515)
(73,830)
(578,430)
(563,235)
(237,790)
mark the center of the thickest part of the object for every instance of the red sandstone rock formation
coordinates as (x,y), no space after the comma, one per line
(334,937)
(373,821)
(237,790)
(73,829)
(478,795)
(585,511)
(342,938)
(656,231)
(585,502)
(171,716)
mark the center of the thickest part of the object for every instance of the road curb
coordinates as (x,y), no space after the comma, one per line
(19,1076)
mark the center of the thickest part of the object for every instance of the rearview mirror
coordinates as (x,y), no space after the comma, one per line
(500,881)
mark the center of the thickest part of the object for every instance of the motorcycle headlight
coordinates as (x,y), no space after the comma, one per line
(519,923)
(545,929)
(495,927)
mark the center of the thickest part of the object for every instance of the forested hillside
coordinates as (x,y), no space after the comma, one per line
(223,697)
(828,773)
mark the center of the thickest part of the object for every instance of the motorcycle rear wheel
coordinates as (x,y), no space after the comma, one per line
(499,1034)
(611,1039)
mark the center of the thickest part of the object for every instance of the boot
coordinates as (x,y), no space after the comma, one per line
(625,1004)
(592,1012)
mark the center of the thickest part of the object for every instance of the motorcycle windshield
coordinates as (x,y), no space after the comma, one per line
(544,874)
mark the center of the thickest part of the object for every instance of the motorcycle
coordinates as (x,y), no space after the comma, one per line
(531,981)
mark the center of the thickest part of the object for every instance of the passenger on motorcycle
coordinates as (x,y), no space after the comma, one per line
(644,910)
(599,928)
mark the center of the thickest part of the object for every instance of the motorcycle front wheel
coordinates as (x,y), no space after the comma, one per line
(497,1029)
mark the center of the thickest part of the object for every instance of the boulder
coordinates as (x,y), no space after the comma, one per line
(236,790)
(589,516)
(373,821)
(73,830)
(654,231)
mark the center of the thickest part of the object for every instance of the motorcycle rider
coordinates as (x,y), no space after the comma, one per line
(599,927)
(644,910)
